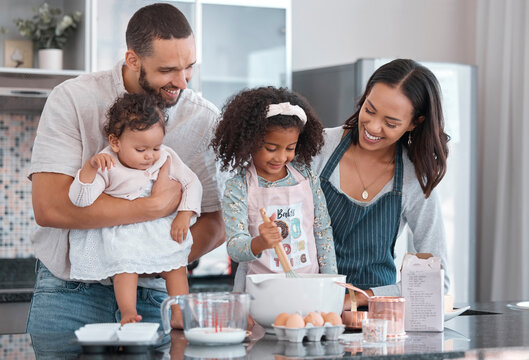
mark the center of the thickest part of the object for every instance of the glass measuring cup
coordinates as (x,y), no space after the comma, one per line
(210,318)
(390,308)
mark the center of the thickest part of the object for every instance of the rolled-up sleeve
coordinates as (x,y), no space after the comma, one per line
(83,194)
(58,144)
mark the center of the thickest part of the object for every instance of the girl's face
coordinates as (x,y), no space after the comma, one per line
(138,149)
(278,150)
(384,117)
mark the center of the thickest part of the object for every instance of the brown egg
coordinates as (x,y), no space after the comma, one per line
(281,319)
(295,321)
(314,318)
(333,318)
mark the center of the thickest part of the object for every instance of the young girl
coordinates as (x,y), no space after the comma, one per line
(127,169)
(269,136)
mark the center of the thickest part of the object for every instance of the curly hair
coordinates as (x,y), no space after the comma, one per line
(243,126)
(135,112)
(428,150)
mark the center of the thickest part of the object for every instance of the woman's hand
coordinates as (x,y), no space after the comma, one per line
(360,298)
(269,236)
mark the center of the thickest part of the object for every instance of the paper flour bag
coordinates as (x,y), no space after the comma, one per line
(422,279)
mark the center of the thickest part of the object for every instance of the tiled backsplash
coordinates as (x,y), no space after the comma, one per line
(17,132)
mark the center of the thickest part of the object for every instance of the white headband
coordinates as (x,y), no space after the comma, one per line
(286,108)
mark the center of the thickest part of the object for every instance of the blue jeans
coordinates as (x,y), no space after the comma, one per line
(64,306)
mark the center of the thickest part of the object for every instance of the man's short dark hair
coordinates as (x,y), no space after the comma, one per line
(156,21)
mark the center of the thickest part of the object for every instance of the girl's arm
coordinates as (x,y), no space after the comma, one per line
(322,227)
(191,186)
(89,183)
(83,194)
(190,204)
(235,215)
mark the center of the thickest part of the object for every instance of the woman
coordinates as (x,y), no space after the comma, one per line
(378,173)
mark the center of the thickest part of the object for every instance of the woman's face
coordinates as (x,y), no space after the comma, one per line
(385,116)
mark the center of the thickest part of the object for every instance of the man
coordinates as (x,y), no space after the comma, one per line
(160,59)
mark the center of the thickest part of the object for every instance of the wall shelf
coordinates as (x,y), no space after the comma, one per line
(39,72)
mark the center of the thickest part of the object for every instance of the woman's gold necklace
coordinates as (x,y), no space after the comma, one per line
(365,194)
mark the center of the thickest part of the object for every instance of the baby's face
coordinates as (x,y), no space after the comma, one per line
(139,149)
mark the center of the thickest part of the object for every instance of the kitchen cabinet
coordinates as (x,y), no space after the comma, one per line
(76,53)
(25,89)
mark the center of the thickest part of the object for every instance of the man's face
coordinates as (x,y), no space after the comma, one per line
(169,68)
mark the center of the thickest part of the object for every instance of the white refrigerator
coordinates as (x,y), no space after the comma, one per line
(334,91)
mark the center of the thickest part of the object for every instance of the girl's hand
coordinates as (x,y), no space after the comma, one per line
(269,236)
(180,226)
(102,161)
(89,170)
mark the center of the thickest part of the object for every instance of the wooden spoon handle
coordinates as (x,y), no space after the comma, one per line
(352,287)
(352,298)
(280,251)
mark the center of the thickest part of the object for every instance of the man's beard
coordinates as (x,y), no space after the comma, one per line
(144,83)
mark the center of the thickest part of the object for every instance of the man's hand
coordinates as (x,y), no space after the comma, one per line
(52,206)
(166,193)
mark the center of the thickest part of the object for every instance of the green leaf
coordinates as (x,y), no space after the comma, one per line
(47,29)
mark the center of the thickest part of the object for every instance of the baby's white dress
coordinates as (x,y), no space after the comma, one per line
(142,248)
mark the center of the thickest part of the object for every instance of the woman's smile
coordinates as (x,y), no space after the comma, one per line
(371,138)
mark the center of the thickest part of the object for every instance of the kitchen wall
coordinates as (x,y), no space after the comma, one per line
(333,32)
(17,132)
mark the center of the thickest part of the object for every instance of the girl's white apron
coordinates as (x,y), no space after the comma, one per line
(293,205)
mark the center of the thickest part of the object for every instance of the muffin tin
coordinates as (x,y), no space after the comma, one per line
(313,333)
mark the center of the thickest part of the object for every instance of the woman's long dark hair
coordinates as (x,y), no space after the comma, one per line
(428,149)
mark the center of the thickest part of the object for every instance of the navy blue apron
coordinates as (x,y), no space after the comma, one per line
(364,236)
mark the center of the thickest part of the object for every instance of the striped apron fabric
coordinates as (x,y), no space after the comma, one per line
(364,236)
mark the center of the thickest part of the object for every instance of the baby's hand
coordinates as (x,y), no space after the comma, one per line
(270,234)
(102,161)
(89,170)
(180,226)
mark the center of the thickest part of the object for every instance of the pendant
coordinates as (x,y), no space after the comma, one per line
(365,195)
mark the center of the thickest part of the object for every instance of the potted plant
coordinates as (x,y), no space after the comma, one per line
(49,30)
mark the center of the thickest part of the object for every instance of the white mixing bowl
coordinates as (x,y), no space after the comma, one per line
(275,293)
